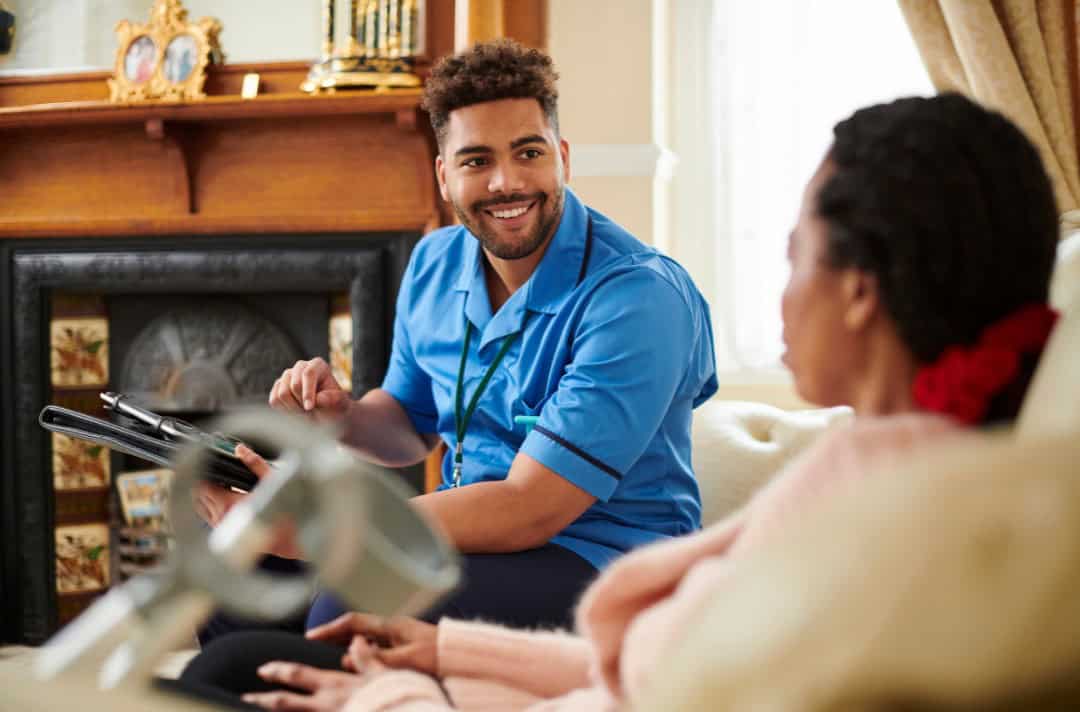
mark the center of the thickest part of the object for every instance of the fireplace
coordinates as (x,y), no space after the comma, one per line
(196,324)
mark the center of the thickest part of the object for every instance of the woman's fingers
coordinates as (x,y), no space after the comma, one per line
(329,689)
(339,629)
(302,677)
(287,701)
(345,626)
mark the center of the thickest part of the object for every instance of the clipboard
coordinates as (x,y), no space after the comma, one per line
(143,440)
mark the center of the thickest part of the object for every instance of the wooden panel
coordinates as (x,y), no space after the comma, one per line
(63,174)
(440,29)
(477,21)
(526,22)
(322,166)
(289,162)
(482,20)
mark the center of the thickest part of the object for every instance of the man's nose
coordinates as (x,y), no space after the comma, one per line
(506,178)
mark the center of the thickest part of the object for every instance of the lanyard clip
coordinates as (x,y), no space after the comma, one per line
(458,458)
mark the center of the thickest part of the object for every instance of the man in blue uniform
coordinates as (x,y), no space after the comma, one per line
(534,305)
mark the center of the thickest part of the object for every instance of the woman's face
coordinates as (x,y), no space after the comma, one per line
(820,349)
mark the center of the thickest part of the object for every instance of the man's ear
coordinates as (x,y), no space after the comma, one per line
(440,175)
(862,297)
(564,151)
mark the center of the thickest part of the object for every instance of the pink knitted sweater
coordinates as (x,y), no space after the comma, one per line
(640,606)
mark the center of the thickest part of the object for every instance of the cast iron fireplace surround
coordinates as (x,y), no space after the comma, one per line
(368,267)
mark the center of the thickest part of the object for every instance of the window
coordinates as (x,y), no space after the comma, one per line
(777,76)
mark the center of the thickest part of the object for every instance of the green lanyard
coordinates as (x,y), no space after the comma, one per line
(461,423)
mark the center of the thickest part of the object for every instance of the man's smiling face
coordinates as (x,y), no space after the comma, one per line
(504,169)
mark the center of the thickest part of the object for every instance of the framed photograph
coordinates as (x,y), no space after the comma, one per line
(166,58)
(140,60)
(180,57)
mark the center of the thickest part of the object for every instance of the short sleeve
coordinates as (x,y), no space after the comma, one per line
(409,384)
(631,351)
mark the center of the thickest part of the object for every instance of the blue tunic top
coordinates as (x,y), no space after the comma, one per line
(615,350)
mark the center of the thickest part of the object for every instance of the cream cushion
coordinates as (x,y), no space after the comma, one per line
(1053,401)
(949,580)
(738,446)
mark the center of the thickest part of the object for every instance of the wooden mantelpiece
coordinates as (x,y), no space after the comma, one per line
(282,162)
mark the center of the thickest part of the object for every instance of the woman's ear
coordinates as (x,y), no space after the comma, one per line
(862,297)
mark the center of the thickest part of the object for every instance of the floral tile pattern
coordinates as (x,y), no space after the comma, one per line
(77,464)
(341,349)
(80,351)
(82,558)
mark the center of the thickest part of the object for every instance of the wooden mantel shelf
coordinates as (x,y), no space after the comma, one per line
(282,162)
(403,103)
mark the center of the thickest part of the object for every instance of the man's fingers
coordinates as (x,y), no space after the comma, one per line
(311,380)
(334,401)
(281,396)
(252,461)
(296,382)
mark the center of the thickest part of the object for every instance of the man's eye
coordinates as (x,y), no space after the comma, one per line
(531,153)
(475,162)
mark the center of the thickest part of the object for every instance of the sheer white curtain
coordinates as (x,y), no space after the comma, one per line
(778,75)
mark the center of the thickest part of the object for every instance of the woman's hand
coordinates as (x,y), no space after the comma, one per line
(398,642)
(328,690)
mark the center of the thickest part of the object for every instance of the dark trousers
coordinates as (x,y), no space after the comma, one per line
(221,623)
(537,588)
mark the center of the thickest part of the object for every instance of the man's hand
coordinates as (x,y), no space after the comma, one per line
(213,502)
(310,388)
(398,642)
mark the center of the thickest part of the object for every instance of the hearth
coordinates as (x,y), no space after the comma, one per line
(192,325)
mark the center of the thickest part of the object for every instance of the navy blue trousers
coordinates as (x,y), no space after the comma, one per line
(537,588)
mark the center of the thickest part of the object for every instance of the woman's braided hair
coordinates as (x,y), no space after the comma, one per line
(949,206)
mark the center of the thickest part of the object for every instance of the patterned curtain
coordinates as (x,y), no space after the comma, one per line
(1018,57)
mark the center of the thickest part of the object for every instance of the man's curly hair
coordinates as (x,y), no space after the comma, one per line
(489,71)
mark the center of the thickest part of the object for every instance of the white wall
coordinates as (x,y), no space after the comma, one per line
(64,35)
(605,52)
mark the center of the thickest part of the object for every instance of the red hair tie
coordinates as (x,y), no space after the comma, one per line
(964,379)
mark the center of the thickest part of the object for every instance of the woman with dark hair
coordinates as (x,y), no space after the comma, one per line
(920,265)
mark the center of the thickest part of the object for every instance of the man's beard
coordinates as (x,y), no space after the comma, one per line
(530,242)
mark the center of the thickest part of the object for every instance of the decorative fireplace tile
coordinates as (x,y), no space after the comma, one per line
(143,495)
(80,351)
(78,464)
(82,558)
(341,349)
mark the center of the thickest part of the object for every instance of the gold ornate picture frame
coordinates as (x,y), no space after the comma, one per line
(166,58)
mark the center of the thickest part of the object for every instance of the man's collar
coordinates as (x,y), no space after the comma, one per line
(548,287)
(557,274)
